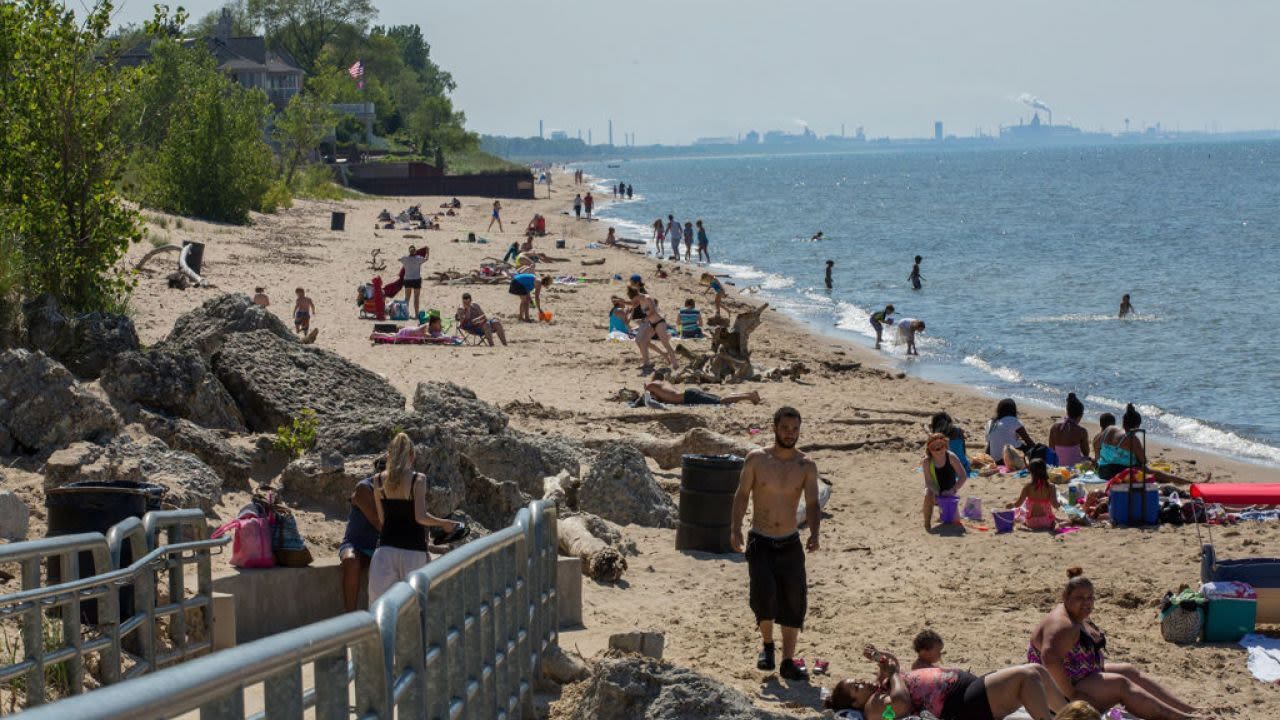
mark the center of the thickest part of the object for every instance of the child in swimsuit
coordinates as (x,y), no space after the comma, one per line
(713,285)
(303,309)
(1041,498)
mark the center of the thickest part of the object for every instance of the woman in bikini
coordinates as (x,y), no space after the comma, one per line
(1119,450)
(947,693)
(1072,649)
(1070,441)
(659,236)
(652,324)
(943,474)
(1040,496)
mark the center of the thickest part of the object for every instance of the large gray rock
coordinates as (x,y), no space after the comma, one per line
(15,517)
(48,329)
(6,441)
(620,488)
(177,383)
(45,408)
(325,479)
(458,409)
(494,503)
(522,458)
(84,343)
(207,327)
(272,380)
(97,338)
(138,457)
(636,687)
(232,463)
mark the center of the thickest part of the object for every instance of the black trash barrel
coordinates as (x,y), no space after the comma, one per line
(195,258)
(338,221)
(707,487)
(94,506)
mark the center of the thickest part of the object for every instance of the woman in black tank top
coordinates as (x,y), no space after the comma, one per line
(400,496)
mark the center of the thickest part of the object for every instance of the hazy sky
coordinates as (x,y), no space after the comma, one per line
(673,70)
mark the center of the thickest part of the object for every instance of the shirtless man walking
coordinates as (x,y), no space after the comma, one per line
(773,480)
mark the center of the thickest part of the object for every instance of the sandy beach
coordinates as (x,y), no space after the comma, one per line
(878,578)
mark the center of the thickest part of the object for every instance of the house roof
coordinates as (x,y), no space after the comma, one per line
(237,53)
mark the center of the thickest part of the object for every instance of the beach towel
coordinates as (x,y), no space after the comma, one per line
(395,339)
(1264,656)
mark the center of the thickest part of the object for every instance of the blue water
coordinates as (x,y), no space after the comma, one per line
(1026,255)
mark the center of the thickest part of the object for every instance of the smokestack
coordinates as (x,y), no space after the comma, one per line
(540,130)
(610,132)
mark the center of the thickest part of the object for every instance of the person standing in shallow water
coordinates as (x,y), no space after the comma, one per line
(773,480)
(915,276)
(830,264)
(1126,308)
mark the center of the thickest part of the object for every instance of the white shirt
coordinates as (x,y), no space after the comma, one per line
(1003,433)
(412,266)
(675,231)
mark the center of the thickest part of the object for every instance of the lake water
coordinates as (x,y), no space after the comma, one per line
(1026,256)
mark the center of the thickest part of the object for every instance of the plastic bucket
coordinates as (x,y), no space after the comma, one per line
(948,509)
(560,244)
(1003,520)
(545,316)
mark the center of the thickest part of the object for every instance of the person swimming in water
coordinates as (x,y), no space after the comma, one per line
(1126,308)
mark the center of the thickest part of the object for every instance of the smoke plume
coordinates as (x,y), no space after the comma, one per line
(1032,101)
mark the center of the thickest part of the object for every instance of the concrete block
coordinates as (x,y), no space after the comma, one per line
(224,621)
(277,599)
(15,517)
(649,643)
(569,591)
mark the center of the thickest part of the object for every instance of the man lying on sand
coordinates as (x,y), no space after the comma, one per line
(667,393)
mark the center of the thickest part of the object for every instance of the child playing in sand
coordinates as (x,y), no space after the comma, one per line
(714,286)
(928,647)
(690,320)
(303,309)
(1041,498)
(260,297)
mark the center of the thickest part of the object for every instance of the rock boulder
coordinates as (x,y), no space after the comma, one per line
(138,457)
(620,488)
(48,329)
(522,458)
(45,408)
(177,383)
(205,328)
(634,686)
(272,380)
(457,408)
(15,517)
(232,463)
(84,343)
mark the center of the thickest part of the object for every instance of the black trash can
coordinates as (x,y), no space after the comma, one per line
(338,221)
(707,486)
(94,506)
(195,258)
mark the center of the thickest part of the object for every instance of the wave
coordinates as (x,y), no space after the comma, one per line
(1004,373)
(1087,318)
(1196,433)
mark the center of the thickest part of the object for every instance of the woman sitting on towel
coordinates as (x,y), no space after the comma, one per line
(947,693)
(1070,441)
(1072,649)
(943,474)
(1005,434)
(1119,450)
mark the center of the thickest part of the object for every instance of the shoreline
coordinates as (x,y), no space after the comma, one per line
(952,371)
(879,576)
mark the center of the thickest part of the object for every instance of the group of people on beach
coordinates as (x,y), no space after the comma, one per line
(672,233)
(1066,668)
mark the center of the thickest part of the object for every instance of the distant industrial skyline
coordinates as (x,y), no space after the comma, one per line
(670,72)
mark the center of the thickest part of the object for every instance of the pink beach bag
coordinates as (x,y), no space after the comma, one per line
(251,547)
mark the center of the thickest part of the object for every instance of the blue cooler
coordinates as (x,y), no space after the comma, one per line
(1134,504)
(1231,611)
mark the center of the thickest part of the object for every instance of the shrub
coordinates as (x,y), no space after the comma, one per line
(299,435)
(276,197)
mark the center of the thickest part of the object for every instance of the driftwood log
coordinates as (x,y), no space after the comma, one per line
(600,561)
(730,356)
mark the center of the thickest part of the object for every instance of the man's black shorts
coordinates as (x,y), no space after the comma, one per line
(694,396)
(414,284)
(779,587)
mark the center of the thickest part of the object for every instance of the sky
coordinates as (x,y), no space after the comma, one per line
(670,71)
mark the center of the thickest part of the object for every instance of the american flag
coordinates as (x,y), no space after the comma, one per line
(357,70)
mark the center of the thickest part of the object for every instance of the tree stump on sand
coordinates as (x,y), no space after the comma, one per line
(730,356)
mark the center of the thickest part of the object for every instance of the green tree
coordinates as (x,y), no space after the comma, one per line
(436,129)
(417,56)
(301,128)
(61,157)
(242,21)
(303,27)
(212,162)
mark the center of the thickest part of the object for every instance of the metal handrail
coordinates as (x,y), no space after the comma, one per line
(464,637)
(69,597)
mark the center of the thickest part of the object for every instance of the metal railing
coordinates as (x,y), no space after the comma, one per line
(87,608)
(463,638)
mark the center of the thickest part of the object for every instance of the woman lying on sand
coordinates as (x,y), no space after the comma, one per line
(1072,649)
(947,693)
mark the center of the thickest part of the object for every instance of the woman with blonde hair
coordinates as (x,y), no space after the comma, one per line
(400,497)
